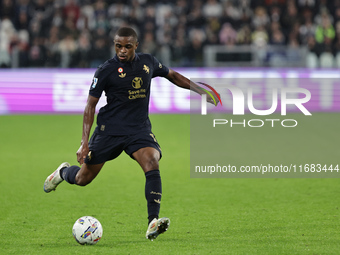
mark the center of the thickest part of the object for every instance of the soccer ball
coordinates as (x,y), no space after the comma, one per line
(87,230)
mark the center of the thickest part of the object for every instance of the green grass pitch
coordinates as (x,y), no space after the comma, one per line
(208,216)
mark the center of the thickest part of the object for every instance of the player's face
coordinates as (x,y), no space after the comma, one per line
(125,48)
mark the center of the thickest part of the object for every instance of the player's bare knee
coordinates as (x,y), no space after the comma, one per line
(152,162)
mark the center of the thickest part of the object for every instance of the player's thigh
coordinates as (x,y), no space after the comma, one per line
(144,148)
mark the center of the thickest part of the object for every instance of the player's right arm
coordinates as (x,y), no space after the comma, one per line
(88,119)
(96,89)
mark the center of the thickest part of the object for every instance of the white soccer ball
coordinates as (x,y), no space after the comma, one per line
(87,230)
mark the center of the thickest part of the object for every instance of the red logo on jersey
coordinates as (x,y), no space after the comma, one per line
(120,70)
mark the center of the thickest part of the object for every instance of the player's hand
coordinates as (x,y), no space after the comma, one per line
(211,100)
(82,152)
(213,96)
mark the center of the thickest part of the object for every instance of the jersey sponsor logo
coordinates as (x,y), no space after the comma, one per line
(120,70)
(137,83)
(135,94)
(94,82)
(122,75)
(146,69)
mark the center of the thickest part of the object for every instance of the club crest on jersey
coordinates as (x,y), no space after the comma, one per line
(146,69)
(121,70)
(137,82)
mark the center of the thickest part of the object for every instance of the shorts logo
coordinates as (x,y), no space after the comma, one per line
(89,156)
(137,82)
(94,82)
(153,137)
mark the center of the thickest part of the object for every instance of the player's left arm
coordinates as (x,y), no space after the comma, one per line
(183,82)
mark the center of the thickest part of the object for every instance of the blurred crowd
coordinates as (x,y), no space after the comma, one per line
(79,33)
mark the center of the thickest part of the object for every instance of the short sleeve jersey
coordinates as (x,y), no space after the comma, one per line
(127,89)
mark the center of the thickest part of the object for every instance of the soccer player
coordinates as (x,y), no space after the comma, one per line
(123,123)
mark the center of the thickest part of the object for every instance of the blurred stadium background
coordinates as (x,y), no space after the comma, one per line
(78,33)
(50,49)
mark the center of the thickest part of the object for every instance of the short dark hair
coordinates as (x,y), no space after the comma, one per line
(127,32)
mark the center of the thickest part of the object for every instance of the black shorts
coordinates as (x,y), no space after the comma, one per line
(107,147)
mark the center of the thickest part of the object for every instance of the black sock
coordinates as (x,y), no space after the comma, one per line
(69,174)
(153,193)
